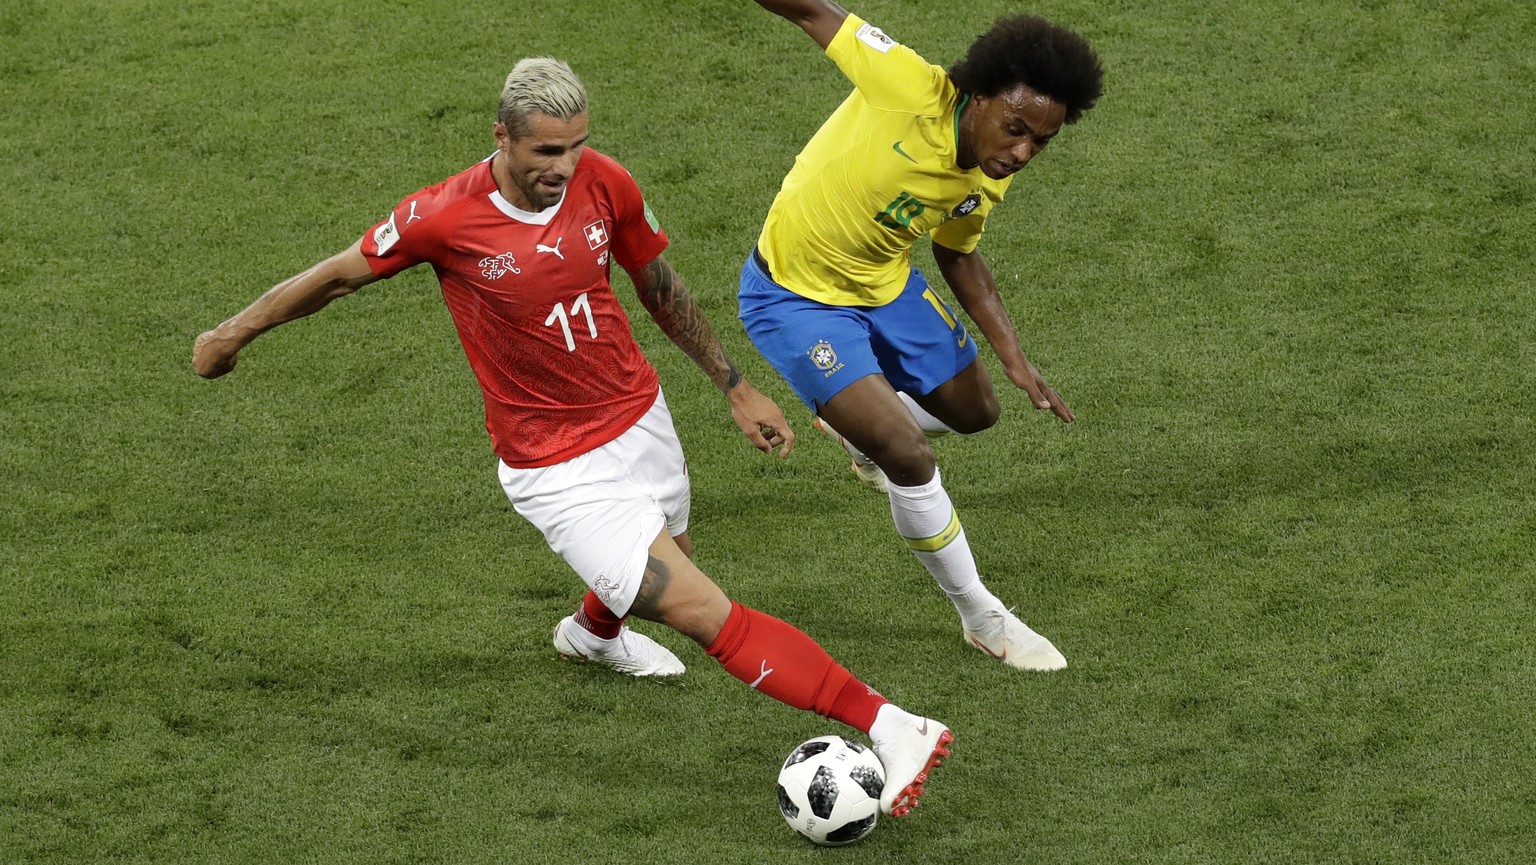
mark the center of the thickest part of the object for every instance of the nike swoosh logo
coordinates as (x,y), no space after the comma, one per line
(983,646)
(963,337)
(897,147)
(923,729)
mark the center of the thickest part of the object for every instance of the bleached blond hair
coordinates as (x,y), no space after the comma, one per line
(540,85)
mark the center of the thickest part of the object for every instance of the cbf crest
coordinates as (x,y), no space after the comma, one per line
(966,207)
(825,358)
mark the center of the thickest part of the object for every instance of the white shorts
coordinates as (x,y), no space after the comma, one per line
(601,511)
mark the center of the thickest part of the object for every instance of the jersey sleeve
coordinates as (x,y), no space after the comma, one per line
(889,75)
(961,235)
(407,237)
(638,237)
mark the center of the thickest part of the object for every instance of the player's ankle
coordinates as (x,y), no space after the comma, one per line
(888,720)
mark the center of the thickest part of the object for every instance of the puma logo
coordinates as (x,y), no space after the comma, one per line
(412,215)
(766,670)
(539,247)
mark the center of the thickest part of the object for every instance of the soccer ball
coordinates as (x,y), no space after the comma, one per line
(829,790)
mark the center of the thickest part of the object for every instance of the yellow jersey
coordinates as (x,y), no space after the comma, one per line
(879,174)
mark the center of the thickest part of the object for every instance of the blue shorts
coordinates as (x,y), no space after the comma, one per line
(915,341)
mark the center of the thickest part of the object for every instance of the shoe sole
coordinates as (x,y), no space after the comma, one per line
(638,674)
(908,798)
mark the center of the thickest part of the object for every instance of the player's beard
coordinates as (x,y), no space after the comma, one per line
(539,195)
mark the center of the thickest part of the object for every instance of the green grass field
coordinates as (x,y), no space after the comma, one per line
(1282,273)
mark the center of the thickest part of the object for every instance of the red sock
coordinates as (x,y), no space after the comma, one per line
(597,618)
(780,660)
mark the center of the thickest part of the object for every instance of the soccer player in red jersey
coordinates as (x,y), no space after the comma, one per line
(522,244)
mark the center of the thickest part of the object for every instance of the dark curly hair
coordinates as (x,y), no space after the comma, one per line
(1029,50)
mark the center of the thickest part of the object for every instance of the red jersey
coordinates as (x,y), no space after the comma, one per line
(530,296)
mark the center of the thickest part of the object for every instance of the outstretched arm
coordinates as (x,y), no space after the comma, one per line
(216,351)
(662,292)
(971,280)
(821,19)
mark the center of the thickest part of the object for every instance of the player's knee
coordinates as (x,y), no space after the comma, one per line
(907,461)
(981,415)
(698,615)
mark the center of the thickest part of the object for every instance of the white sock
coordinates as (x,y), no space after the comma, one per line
(926,519)
(929,423)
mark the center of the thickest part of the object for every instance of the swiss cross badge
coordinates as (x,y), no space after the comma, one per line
(596,234)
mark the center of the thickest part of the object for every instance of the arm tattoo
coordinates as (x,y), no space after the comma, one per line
(670,303)
(654,584)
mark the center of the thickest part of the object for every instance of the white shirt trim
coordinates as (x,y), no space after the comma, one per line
(543,217)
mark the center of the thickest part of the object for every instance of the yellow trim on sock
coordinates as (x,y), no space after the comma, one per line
(934,543)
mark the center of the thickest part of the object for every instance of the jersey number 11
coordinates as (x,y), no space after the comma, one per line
(579,305)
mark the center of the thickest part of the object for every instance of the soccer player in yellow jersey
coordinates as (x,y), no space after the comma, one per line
(830,296)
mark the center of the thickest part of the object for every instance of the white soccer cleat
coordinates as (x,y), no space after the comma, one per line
(909,755)
(631,653)
(869,474)
(1014,643)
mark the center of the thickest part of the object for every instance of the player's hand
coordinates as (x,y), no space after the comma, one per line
(212,355)
(1041,394)
(761,420)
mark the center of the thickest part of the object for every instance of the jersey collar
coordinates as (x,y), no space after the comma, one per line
(543,217)
(964,99)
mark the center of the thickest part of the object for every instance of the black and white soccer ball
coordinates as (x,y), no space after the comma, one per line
(829,790)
